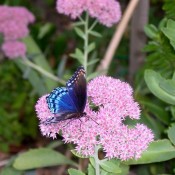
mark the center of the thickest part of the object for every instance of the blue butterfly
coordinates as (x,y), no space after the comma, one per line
(68,102)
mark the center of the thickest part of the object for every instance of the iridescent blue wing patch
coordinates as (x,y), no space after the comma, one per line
(59,101)
(68,102)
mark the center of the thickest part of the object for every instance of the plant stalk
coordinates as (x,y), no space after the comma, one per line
(42,71)
(86,40)
(97,167)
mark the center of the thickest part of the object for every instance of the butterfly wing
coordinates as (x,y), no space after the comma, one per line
(69,102)
(61,105)
(77,89)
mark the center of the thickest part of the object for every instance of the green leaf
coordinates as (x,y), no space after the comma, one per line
(72,171)
(111,165)
(33,77)
(151,31)
(94,33)
(92,161)
(171,135)
(124,168)
(172,109)
(157,110)
(169,31)
(40,60)
(168,86)
(80,23)
(91,170)
(153,81)
(78,154)
(79,32)
(158,151)
(78,55)
(38,158)
(10,170)
(92,62)
(91,47)
(44,30)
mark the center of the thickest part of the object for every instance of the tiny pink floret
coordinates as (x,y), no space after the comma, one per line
(104,127)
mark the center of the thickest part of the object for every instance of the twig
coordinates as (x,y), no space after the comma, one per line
(42,71)
(105,62)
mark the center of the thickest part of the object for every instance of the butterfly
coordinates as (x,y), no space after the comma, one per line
(68,102)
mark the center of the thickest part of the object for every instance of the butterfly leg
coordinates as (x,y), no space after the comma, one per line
(92,119)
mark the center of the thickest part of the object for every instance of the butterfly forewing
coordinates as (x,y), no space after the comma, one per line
(77,90)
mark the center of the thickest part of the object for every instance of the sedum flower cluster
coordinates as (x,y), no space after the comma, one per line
(107,12)
(13,27)
(104,126)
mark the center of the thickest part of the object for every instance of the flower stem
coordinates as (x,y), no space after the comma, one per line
(42,71)
(86,40)
(97,167)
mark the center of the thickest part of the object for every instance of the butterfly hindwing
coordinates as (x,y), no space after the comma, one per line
(59,101)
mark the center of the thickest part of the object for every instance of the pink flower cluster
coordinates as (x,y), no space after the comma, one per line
(107,12)
(103,127)
(13,26)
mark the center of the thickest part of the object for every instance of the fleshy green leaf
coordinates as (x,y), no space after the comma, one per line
(158,151)
(78,55)
(154,82)
(168,86)
(10,170)
(79,32)
(92,161)
(33,77)
(151,31)
(171,133)
(91,170)
(124,168)
(96,34)
(40,60)
(111,165)
(91,47)
(72,171)
(157,110)
(169,31)
(44,30)
(42,157)
(77,154)
(92,62)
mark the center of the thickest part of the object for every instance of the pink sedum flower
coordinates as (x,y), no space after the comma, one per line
(104,127)
(14,49)
(14,26)
(73,8)
(13,30)
(14,21)
(107,12)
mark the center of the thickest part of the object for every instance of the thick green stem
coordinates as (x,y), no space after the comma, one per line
(41,70)
(97,166)
(86,41)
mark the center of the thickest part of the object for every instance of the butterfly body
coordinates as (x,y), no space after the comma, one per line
(68,102)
